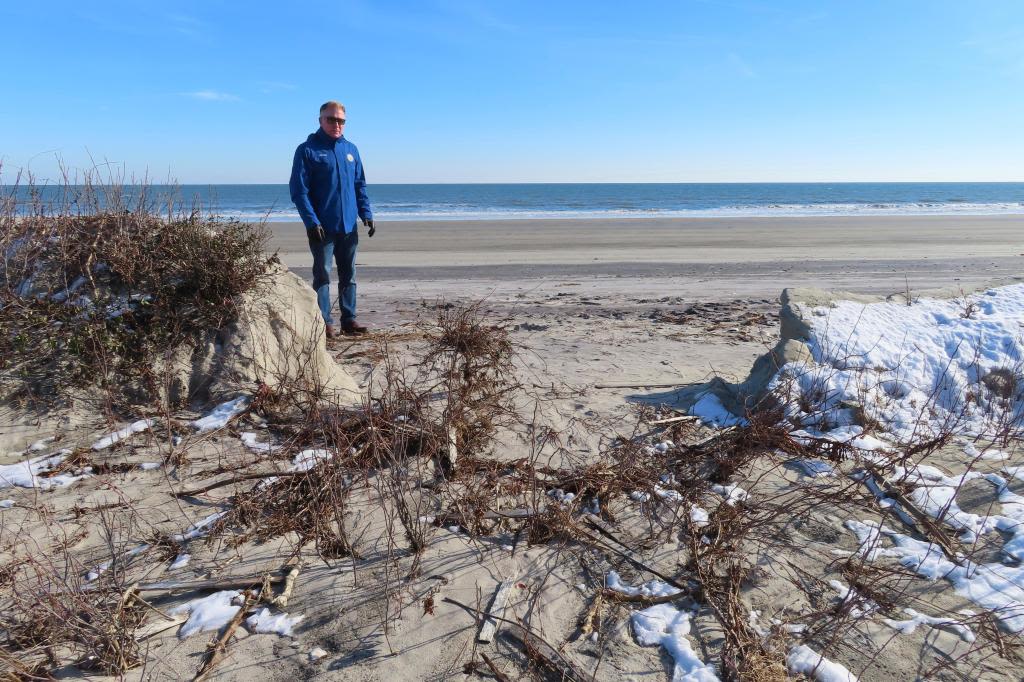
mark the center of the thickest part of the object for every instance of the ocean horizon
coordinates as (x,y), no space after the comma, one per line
(503,201)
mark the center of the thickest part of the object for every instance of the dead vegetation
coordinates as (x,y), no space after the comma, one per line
(56,616)
(95,287)
(399,446)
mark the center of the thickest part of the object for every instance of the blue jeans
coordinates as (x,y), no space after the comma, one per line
(341,248)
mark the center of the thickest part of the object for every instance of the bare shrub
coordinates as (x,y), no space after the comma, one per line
(56,618)
(95,296)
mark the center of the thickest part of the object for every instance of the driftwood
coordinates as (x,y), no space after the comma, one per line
(673,420)
(510,514)
(218,648)
(497,610)
(642,599)
(592,618)
(877,491)
(156,628)
(236,479)
(281,600)
(241,582)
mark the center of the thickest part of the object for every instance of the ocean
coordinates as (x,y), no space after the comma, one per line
(697,200)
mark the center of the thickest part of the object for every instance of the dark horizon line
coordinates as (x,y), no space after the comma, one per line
(486,184)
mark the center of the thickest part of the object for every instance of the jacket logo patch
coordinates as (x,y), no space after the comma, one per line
(350,157)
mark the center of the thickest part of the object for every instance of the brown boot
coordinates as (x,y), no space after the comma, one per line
(331,332)
(352,327)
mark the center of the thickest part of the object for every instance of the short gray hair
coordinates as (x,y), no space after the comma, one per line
(330,104)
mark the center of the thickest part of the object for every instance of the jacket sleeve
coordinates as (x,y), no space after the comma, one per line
(299,187)
(362,200)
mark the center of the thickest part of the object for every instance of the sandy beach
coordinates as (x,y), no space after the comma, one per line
(713,258)
(598,296)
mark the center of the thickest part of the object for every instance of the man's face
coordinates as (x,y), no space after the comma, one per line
(332,121)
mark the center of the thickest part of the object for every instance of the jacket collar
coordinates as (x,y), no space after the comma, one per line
(327,139)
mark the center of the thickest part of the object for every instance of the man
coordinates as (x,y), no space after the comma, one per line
(329,189)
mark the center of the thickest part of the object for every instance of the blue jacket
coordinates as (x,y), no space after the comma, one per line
(328,185)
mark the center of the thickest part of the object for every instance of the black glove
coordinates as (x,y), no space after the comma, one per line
(369,224)
(316,234)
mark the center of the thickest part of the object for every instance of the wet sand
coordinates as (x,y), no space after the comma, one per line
(714,257)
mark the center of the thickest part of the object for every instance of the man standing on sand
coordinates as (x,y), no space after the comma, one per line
(329,189)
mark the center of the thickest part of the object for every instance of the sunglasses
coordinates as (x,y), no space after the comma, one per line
(335,120)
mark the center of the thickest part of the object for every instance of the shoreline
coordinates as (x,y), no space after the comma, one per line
(710,257)
(699,240)
(633,215)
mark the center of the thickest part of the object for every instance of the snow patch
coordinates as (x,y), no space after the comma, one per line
(908,627)
(221,415)
(667,626)
(910,368)
(181,561)
(654,588)
(562,497)
(712,412)
(307,459)
(250,440)
(263,622)
(732,493)
(869,537)
(119,435)
(208,613)
(803,659)
(814,468)
(995,587)
(848,595)
(41,445)
(27,474)
(198,529)
(699,516)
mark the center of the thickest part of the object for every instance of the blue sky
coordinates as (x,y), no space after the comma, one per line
(520,91)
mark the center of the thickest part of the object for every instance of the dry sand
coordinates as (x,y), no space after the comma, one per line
(590,293)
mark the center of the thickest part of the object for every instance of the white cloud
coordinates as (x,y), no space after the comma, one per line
(211,96)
